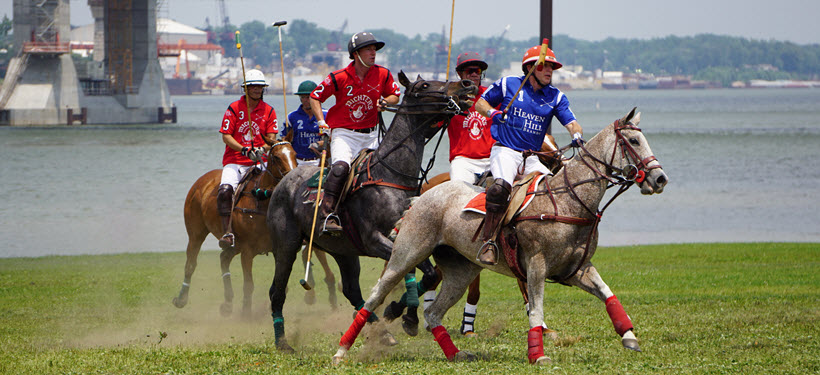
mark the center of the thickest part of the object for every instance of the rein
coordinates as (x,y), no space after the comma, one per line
(625,178)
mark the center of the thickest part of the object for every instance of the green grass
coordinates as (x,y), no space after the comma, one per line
(697,308)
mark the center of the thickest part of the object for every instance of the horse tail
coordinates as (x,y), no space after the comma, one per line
(395,231)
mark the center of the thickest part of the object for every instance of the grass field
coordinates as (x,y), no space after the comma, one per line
(697,308)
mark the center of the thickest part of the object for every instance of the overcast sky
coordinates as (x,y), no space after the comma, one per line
(784,20)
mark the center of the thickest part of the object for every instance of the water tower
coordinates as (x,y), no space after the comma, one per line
(123,84)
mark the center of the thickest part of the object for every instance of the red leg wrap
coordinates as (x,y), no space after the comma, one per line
(618,316)
(443,338)
(355,328)
(535,344)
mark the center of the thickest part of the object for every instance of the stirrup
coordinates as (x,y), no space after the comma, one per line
(227,241)
(491,247)
(335,226)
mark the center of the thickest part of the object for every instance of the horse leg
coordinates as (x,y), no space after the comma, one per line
(330,279)
(247,287)
(522,286)
(536,276)
(225,258)
(589,280)
(192,253)
(457,274)
(284,256)
(471,307)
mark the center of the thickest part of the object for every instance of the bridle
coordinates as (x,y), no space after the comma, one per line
(281,173)
(443,104)
(622,177)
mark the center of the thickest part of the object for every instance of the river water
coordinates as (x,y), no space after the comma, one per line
(744,165)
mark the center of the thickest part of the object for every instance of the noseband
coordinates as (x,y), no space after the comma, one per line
(640,167)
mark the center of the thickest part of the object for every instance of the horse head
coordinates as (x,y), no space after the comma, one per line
(281,159)
(636,161)
(441,100)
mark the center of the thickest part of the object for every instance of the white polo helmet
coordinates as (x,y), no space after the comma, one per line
(254,77)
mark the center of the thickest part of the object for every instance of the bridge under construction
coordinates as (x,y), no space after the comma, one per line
(122,84)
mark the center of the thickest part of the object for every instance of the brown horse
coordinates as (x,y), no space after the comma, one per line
(248,222)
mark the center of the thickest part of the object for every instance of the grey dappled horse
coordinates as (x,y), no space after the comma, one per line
(372,210)
(557,236)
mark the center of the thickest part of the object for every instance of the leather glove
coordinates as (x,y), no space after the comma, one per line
(324,128)
(577,140)
(502,116)
(255,154)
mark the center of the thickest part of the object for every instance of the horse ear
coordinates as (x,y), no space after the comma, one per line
(403,79)
(629,117)
(637,119)
(289,137)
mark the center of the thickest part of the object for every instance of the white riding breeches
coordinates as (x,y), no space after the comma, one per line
(345,144)
(231,173)
(506,163)
(468,170)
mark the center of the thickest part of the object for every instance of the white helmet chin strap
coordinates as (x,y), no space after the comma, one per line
(358,56)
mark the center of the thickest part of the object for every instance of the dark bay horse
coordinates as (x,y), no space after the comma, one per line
(556,236)
(248,222)
(378,197)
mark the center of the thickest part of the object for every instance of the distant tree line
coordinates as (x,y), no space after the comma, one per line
(704,57)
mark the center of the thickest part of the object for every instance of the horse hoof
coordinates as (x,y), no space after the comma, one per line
(387,339)
(410,325)
(337,360)
(542,360)
(470,334)
(226,309)
(463,356)
(393,311)
(180,302)
(631,344)
(284,347)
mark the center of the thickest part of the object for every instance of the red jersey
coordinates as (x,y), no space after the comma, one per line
(470,135)
(356,100)
(234,123)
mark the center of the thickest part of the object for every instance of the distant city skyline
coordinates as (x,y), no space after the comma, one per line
(593,20)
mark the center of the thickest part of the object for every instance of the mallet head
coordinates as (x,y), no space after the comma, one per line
(280,23)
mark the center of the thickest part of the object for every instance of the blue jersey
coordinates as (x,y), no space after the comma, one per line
(306,131)
(529,118)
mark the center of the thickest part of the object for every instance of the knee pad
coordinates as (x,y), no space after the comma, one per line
(224,199)
(498,192)
(339,169)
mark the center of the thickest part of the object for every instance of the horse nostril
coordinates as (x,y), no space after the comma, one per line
(466,83)
(662,180)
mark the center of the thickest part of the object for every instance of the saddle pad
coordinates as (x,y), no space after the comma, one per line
(313,181)
(477,203)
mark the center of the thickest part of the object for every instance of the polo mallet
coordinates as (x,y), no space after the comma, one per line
(319,195)
(450,43)
(278,25)
(247,112)
(538,65)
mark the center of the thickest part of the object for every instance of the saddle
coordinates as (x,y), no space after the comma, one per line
(249,185)
(520,197)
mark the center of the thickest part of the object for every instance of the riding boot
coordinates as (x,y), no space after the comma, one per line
(497,195)
(332,189)
(224,206)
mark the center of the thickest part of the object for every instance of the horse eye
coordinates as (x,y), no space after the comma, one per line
(634,142)
(425,85)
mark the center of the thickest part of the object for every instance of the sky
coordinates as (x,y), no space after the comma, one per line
(592,20)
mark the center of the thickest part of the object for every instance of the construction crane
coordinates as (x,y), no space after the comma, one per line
(492,43)
(335,37)
(441,53)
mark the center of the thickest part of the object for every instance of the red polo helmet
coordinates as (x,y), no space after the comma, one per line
(531,56)
(470,58)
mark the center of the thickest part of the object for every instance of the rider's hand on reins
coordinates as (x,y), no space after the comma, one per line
(577,140)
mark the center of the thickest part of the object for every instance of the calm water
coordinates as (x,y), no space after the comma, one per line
(744,165)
